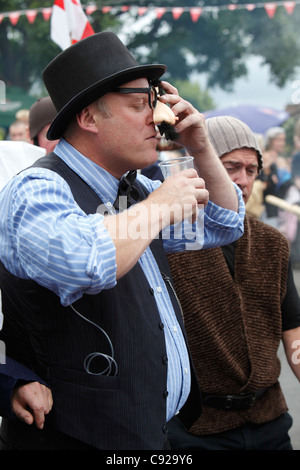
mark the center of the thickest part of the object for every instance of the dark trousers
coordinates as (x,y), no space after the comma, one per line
(16,435)
(268,436)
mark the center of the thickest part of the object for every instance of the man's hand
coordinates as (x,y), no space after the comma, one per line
(31,402)
(132,231)
(190,123)
(193,136)
(179,196)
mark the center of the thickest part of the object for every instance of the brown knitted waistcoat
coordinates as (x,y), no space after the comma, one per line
(234,326)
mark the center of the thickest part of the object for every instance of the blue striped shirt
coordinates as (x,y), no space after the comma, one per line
(45,236)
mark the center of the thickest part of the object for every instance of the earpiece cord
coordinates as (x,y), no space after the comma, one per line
(110,359)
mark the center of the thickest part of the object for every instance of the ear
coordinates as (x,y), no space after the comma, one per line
(86,121)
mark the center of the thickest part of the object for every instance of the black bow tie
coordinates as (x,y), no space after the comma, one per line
(129,193)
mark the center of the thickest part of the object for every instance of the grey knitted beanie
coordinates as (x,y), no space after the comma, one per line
(227,133)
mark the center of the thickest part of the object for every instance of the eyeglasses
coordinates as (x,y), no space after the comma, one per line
(151,91)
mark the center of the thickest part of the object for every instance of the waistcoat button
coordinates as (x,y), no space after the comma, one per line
(165,429)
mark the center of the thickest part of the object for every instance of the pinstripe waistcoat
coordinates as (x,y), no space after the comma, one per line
(126,410)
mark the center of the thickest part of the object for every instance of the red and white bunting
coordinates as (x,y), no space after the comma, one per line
(90,9)
(47,12)
(270,9)
(160,11)
(142,10)
(14,17)
(177,12)
(31,14)
(106,9)
(195,12)
(289,6)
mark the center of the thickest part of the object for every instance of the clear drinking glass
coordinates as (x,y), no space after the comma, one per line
(170,167)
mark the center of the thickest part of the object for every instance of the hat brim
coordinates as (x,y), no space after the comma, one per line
(92,93)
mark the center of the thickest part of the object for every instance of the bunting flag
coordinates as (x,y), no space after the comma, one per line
(69,13)
(270,9)
(69,23)
(31,14)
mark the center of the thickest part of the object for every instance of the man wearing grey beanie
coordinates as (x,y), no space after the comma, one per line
(238,302)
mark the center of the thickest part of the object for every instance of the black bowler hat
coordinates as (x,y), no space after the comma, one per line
(87,70)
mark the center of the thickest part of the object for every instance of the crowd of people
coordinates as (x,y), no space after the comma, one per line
(119,333)
(279,179)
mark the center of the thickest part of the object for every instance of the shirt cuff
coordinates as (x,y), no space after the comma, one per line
(102,265)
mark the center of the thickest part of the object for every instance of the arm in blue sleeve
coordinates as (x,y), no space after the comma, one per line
(11,373)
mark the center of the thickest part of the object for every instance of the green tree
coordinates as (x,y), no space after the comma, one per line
(217,45)
(193,93)
(26,49)
(220,42)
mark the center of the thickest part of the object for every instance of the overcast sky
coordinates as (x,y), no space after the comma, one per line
(256,89)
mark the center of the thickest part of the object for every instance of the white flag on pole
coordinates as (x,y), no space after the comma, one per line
(69,23)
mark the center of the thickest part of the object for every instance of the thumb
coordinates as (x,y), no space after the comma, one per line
(23,414)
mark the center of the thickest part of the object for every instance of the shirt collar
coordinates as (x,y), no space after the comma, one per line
(102,182)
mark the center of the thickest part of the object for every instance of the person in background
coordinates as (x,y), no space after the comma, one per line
(18,130)
(19,154)
(275,140)
(276,171)
(288,222)
(88,304)
(296,137)
(41,115)
(22,115)
(239,301)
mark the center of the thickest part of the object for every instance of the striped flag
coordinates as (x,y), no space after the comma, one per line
(69,23)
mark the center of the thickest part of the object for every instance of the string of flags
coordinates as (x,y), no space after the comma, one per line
(195,12)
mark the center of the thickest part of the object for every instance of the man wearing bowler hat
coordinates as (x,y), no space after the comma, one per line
(89,307)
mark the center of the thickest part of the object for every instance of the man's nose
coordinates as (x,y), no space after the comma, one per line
(241,178)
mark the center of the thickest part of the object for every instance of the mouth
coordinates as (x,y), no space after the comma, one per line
(152,137)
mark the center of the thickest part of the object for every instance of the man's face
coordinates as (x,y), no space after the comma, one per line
(19,131)
(127,134)
(278,143)
(242,167)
